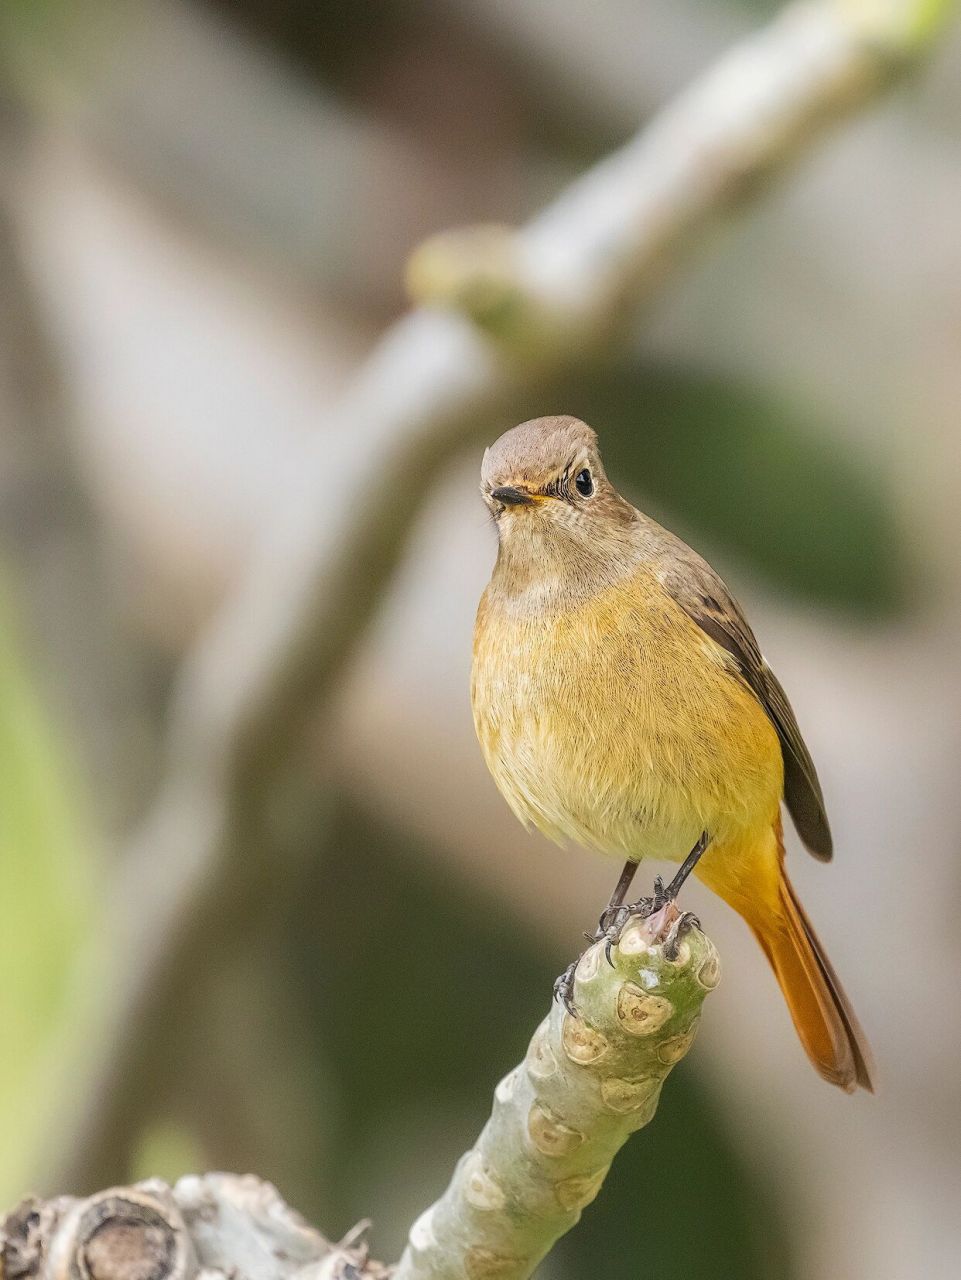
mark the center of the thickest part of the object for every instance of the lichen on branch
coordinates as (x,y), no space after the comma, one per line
(559,1118)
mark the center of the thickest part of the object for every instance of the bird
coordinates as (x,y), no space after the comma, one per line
(622,703)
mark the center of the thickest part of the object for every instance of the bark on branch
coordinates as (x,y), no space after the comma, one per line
(217,1225)
(585,1085)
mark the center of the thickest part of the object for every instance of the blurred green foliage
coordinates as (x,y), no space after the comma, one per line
(166,1150)
(46,892)
(749,470)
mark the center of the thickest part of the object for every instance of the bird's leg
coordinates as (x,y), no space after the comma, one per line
(564,987)
(615,906)
(616,914)
(662,895)
(608,927)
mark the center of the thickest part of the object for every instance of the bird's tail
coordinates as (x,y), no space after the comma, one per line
(822,1014)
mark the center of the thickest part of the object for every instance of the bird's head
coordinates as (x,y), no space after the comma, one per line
(545,478)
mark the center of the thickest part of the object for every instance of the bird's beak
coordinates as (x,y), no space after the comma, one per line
(511,497)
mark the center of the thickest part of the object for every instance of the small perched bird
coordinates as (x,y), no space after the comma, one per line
(621,701)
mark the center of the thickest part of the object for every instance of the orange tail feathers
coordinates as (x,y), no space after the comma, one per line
(825,1022)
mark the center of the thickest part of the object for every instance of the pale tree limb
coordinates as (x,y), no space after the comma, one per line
(559,1118)
(553,294)
(586,1084)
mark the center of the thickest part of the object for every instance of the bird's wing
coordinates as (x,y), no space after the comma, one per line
(702,595)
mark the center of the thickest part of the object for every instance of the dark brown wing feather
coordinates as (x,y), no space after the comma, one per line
(704,597)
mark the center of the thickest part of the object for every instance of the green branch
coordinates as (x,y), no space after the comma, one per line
(558,1120)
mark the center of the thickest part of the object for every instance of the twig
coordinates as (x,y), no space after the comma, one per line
(566,284)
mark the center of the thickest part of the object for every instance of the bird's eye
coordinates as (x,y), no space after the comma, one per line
(584,483)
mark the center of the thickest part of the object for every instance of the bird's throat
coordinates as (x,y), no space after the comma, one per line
(542,569)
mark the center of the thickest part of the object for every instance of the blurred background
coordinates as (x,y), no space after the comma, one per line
(205,208)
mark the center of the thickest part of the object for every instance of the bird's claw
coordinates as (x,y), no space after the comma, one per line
(685,921)
(660,897)
(611,925)
(564,988)
(612,919)
(609,929)
(642,908)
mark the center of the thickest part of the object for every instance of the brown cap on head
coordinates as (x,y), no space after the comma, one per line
(533,453)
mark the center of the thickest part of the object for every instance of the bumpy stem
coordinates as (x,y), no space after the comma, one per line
(586,1084)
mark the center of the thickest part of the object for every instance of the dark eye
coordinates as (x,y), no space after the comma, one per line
(584,483)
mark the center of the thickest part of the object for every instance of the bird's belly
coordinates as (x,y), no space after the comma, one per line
(620,726)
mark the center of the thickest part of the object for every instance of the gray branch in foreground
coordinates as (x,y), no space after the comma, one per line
(279,646)
(559,1118)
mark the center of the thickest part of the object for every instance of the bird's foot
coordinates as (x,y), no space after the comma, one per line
(684,921)
(675,923)
(668,931)
(615,918)
(671,925)
(667,924)
(611,924)
(564,988)
(661,895)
